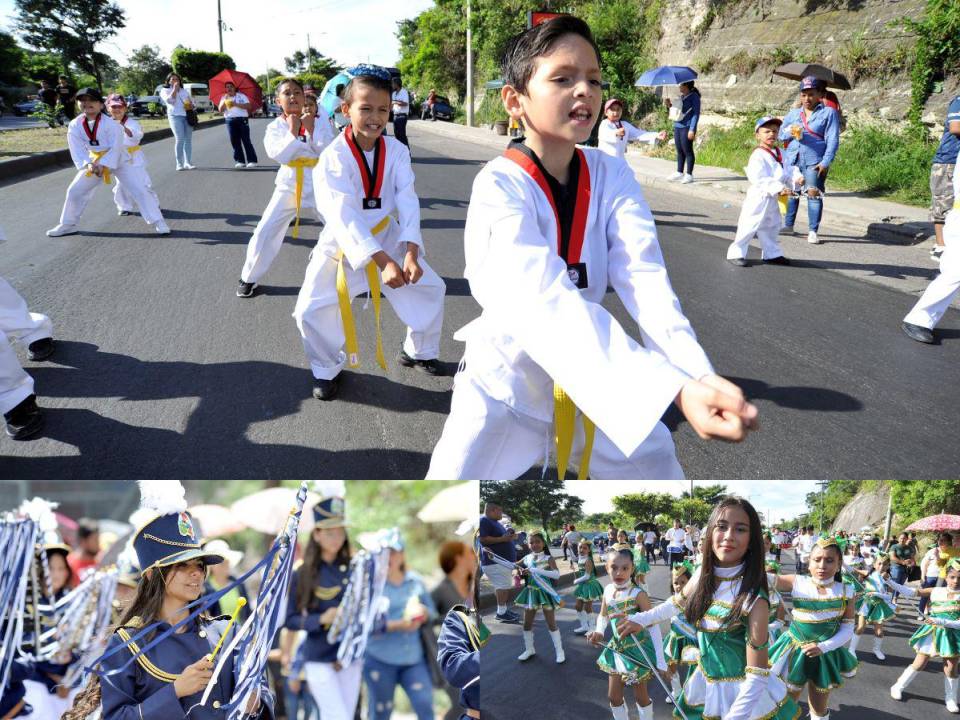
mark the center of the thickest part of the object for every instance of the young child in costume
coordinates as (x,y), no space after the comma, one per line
(812,652)
(588,589)
(628,659)
(939,636)
(854,571)
(772,178)
(878,605)
(639,558)
(295,139)
(132,161)
(539,570)
(682,634)
(726,601)
(97,149)
(615,133)
(550,226)
(364,189)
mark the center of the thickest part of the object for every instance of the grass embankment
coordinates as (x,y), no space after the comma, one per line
(883,163)
(16,143)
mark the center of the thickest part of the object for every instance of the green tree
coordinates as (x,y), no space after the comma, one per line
(692,511)
(72,28)
(432,49)
(318,63)
(12,60)
(534,501)
(199,65)
(710,494)
(269,79)
(599,520)
(642,507)
(145,70)
(40,65)
(914,499)
(835,497)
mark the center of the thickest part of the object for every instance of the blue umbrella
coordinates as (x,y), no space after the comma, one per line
(666,75)
(328,98)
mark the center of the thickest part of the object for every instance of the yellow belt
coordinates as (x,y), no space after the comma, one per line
(299,164)
(956,204)
(133,148)
(343,299)
(564,418)
(96,155)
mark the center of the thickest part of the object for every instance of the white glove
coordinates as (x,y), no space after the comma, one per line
(661,661)
(943,622)
(841,638)
(664,611)
(602,622)
(750,691)
(902,589)
(552,574)
(582,578)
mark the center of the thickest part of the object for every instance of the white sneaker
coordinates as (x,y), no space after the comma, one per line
(61,230)
(239,165)
(812,238)
(787,230)
(179,168)
(896,692)
(251,164)
(188,166)
(580,630)
(673,177)
(162,228)
(686,179)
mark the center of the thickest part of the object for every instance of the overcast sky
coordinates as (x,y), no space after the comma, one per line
(784,499)
(262,33)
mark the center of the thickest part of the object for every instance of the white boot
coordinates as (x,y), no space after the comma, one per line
(950,686)
(558,645)
(814,716)
(645,713)
(582,619)
(528,651)
(906,677)
(620,713)
(854,641)
(675,685)
(877,642)
(162,228)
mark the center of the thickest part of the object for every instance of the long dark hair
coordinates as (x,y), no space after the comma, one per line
(310,570)
(754,569)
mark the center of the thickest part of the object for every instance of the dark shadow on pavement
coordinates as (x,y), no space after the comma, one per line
(457,287)
(233,219)
(442,202)
(442,224)
(446,161)
(276,290)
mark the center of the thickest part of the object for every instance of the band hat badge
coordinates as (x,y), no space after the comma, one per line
(330,510)
(169,537)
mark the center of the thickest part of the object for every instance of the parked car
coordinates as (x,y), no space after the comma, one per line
(442,109)
(26,107)
(141,106)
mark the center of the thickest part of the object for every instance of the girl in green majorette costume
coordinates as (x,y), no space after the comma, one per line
(627,659)
(639,557)
(682,635)
(812,653)
(588,589)
(939,636)
(878,605)
(539,571)
(726,601)
(855,571)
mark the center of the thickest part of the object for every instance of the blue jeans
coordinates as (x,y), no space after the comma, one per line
(382,680)
(238,128)
(898,573)
(924,600)
(295,702)
(183,134)
(685,156)
(811,179)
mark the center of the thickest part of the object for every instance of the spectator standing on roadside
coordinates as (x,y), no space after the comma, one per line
(65,95)
(902,559)
(685,132)
(649,543)
(400,104)
(941,175)
(676,543)
(572,539)
(494,537)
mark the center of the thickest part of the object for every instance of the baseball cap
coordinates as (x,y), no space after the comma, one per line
(612,101)
(116,99)
(767,120)
(812,83)
(89,92)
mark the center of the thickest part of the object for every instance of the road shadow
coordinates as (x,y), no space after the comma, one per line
(442,224)
(276,290)
(900,272)
(430,202)
(228,398)
(233,237)
(233,219)
(446,161)
(457,287)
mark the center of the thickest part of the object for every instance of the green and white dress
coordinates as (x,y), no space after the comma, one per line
(721,657)
(878,605)
(640,560)
(775,625)
(851,563)
(940,641)
(590,589)
(681,636)
(816,617)
(533,596)
(623,656)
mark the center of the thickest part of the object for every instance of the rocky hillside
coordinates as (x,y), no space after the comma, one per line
(735,44)
(865,508)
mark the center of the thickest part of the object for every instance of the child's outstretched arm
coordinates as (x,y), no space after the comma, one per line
(596,637)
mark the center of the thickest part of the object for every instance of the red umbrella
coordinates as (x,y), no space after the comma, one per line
(243,82)
(936,523)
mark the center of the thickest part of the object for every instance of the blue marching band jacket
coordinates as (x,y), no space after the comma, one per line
(458,654)
(332,579)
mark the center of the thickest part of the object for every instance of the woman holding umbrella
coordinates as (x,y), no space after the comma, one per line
(685,131)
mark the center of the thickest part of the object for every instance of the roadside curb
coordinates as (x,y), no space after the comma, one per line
(59,159)
(885,222)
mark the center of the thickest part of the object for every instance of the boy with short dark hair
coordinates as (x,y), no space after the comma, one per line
(549,226)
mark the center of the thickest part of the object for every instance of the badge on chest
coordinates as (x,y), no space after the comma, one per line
(371,203)
(577,272)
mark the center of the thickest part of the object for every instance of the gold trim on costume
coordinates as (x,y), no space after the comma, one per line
(191,546)
(327,593)
(143,661)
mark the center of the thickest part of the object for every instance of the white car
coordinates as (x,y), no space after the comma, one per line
(199,94)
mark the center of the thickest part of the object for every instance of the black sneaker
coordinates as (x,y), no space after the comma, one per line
(40,349)
(431,367)
(245,289)
(124,213)
(739,262)
(25,420)
(779,260)
(508,618)
(326,389)
(918,333)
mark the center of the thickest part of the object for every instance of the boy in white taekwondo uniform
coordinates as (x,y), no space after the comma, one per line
(615,134)
(923,318)
(539,269)
(17,402)
(295,140)
(364,189)
(96,146)
(132,161)
(771,176)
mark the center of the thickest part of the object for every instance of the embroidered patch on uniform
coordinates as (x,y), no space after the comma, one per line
(185,526)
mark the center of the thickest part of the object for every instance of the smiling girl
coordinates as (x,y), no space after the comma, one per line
(539,570)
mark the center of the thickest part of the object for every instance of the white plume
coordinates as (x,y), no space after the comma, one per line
(141,517)
(330,488)
(162,496)
(41,512)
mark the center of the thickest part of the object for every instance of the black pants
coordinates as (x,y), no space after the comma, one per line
(685,156)
(239,130)
(400,128)
(651,555)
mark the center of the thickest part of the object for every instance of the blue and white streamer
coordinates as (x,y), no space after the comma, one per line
(18,539)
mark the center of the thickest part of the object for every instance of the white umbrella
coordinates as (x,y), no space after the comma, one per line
(452,504)
(215,520)
(266,511)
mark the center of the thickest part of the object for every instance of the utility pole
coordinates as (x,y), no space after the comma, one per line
(822,484)
(889,521)
(469,68)
(220,25)
(309,58)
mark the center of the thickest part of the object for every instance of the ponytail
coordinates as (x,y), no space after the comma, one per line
(86,702)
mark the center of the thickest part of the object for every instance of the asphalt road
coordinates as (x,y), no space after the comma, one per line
(162,372)
(577,689)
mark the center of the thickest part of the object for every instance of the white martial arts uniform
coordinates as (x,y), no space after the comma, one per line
(284,147)
(17,324)
(338,187)
(760,214)
(134,166)
(537,329)
(612,144)
(109,137)
(944,287)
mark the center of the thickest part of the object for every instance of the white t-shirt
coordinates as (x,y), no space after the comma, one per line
(233,112)
(675,538)
(929,564)
(401,95)
(805,545)
(573,538)
(649,537)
